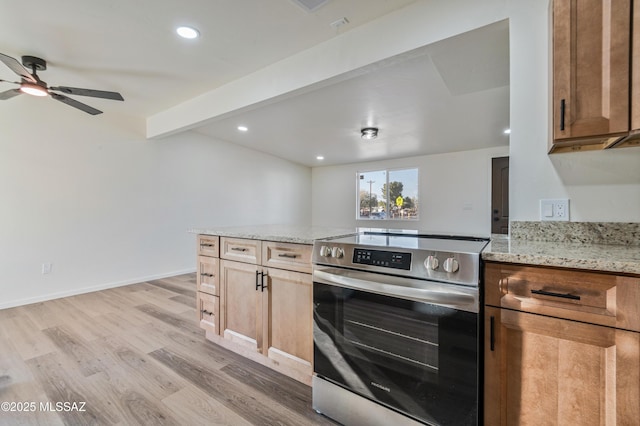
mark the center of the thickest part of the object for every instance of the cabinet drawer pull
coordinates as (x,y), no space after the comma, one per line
(204,311)
(207,275)
(553,294)
(206,245)
(563,106)
(288,256)
(238,249)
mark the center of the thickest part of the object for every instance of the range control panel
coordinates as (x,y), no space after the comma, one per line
(386,259)
(447,260)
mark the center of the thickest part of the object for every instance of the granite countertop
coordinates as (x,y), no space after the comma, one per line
(578,247)
(618,258)
(278,233)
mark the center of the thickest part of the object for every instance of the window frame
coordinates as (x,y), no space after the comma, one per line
(387,171)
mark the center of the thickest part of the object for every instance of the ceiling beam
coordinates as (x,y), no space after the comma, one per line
(419,24)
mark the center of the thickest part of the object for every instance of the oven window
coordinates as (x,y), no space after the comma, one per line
(417,358)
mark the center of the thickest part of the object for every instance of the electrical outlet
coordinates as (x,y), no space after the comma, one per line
(46,268)
(554,209)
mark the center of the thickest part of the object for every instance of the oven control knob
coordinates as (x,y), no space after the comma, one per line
(337,252)
(431,262)
(325,251)
(450,265)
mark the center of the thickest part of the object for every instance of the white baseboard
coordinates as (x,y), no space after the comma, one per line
(75,292)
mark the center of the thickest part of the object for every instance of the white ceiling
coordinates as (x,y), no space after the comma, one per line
(449,96)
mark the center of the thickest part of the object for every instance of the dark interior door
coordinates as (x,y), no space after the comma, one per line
(500,195)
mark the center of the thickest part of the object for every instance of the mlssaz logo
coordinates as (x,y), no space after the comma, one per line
(379,386)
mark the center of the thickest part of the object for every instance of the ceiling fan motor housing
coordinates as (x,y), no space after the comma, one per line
(31,84)
(32,62)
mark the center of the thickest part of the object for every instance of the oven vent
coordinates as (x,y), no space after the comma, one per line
(310,5)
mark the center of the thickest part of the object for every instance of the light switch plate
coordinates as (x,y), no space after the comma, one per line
(557,209)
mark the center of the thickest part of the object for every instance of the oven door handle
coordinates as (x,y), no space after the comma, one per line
(438,294)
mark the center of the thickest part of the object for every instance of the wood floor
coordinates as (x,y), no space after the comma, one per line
(134,355)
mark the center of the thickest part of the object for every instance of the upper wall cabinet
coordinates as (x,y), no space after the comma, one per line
(593,74)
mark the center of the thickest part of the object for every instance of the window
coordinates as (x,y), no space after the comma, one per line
(388,194)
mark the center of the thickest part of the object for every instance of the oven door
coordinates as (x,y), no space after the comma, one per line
(411,345)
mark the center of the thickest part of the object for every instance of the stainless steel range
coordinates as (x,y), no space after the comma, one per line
(396,329)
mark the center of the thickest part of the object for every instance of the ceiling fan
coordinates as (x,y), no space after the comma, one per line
(32,85)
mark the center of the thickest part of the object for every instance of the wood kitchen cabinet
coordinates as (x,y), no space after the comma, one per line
(265,310)
(207,279)
(548,358)
(591,80)
(241,309)
(288,308)
(634,135)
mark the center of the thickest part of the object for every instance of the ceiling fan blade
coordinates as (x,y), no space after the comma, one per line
(72,102)
(17,67)
(89,92)
(9,94)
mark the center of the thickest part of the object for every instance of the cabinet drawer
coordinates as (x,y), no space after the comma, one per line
(591,297)
(208,275)
(294,257)
(209,312)
(208,246)
(241,250)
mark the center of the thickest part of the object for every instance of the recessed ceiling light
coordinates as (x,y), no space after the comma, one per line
(188,32)
(319,157)
(507,131)
(243,128)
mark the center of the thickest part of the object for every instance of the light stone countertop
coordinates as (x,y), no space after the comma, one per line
(595,257)
(616,258)
(278,233)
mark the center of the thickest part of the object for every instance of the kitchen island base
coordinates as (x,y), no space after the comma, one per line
(282,364)
(255,299)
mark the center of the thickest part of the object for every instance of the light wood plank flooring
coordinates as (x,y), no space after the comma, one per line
(135,355)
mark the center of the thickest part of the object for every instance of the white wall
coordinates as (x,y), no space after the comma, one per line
(454,192)
(602,186)
(107,207)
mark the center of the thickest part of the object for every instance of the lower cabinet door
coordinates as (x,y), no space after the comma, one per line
(208,312)
(241,304)
(544,370)
(288,325)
